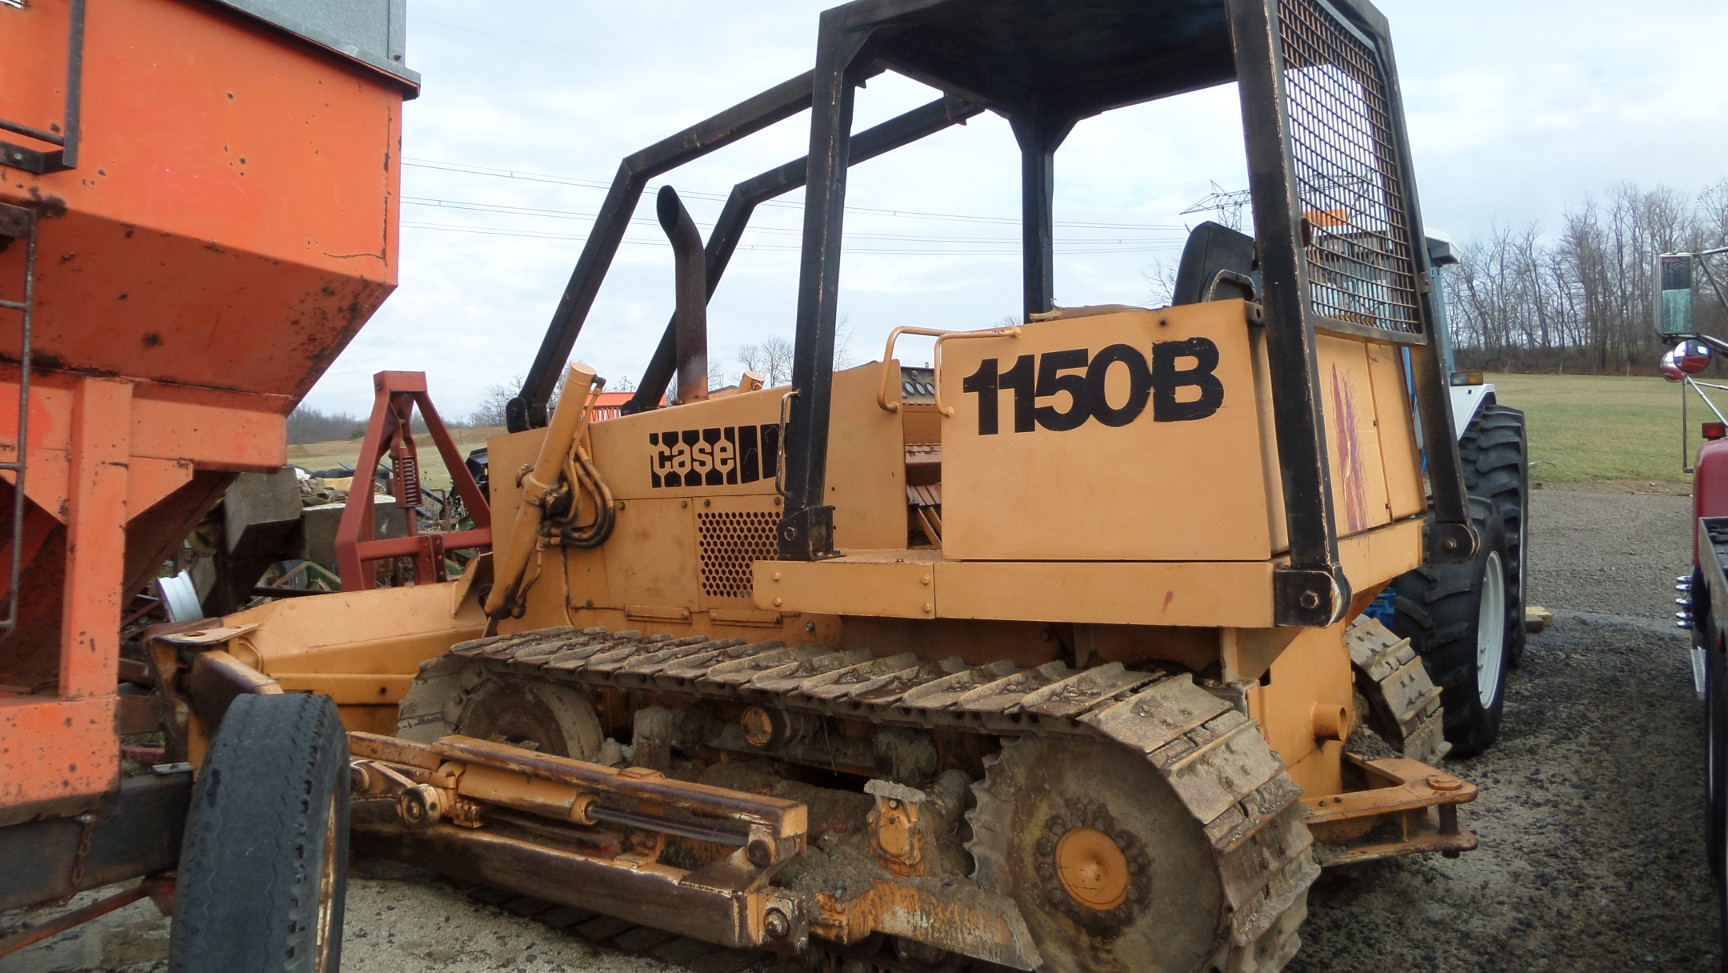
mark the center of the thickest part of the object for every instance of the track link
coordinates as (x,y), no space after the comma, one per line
(1403,701)
(1212,755)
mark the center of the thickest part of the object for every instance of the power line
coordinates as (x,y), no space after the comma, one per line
(1006,247)
(718,197)
(469,206)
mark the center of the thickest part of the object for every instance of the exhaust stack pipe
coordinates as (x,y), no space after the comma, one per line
(691,317)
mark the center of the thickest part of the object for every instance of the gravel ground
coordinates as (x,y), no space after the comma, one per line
(1590,813)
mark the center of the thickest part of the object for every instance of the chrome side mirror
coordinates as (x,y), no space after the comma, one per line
(1692,355)
(1686,358)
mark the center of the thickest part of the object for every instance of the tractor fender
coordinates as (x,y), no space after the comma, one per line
(1467,400)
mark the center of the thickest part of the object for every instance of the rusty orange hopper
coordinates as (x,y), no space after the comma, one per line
(198,210)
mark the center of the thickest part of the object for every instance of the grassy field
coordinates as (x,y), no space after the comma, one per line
(1586,427)
(1582,428)
(319,456)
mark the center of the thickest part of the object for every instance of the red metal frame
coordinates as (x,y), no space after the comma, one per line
(390,428)
(1709,485)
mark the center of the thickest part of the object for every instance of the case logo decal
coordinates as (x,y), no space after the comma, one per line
(716,456)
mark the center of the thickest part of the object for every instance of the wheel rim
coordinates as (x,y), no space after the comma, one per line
(1093,869)
(1491,630)
(327,891)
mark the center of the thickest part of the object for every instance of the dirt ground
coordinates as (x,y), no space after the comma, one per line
(1590,814)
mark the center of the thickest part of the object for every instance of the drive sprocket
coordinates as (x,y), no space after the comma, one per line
(1110,870)
(1100,847)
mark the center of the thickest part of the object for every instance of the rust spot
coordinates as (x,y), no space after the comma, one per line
(48,207)
(152,340)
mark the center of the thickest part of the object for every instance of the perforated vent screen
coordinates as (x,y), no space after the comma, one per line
(730,540)
(1360,265)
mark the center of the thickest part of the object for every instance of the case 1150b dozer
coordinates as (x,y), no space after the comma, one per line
(1057,661)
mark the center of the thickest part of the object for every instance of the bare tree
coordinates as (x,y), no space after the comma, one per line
(843,356)
(1160,278)
(772,358)
(309,425)
(495,401)
(1583,297)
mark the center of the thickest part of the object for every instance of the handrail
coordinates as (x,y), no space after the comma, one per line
(940,335)
(780,441)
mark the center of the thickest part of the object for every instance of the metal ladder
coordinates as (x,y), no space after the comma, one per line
(17,223)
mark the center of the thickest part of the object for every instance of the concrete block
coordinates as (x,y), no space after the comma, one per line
(321,523)
(259,512)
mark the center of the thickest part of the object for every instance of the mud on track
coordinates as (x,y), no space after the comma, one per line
(1591,813)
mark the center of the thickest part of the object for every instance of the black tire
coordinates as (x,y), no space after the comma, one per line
(1437,608)
(265,857)
(1494,452)
(1706,639)
(1716,756)
(1716,774)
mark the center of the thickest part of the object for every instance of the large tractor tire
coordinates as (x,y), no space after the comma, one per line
(1494,451)
(265,857)
(1455,616)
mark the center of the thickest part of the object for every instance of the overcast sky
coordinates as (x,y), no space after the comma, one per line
(1517,110)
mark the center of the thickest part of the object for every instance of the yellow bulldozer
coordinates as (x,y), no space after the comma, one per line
(1053,655)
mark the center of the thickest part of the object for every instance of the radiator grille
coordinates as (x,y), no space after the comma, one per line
(1360,265)
(730,540)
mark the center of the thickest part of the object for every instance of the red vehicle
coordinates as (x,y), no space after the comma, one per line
(1703,597)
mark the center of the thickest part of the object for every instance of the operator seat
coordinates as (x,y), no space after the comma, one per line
(1217,263)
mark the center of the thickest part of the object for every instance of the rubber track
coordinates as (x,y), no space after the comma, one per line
(1213,756)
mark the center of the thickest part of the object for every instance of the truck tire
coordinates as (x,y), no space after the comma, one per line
(1494,452)
(265,857)
(1453,614)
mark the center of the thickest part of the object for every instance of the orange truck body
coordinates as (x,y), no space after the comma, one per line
(227,223)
